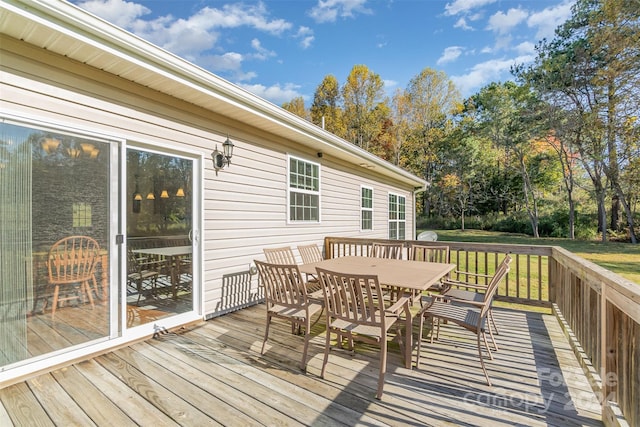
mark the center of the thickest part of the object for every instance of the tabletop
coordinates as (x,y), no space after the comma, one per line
(168,251)
(418,275)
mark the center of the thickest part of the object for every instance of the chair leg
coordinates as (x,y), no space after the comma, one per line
(493,322)
(56,292)
(307,335)
(327,346)
(383,366)
(266,333)
(420,337)
(486,375)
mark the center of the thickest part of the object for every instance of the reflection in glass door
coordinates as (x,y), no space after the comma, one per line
(55,247)
(159,239)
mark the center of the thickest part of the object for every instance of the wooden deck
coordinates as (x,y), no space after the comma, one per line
(212,373)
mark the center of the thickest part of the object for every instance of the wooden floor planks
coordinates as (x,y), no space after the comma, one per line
(213,374)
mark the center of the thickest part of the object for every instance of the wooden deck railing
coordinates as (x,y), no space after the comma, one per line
(599,310)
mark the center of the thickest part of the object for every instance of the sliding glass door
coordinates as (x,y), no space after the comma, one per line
(55,202)
(160,244)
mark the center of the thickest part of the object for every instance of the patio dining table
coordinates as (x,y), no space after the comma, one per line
(414,276)
(171,255)
(405,274)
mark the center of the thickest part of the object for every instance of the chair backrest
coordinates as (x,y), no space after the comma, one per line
(72,259)
(387,250)
(283,284)
(352,298)
(429,253)
(492,287)
(310,253)
(282,255)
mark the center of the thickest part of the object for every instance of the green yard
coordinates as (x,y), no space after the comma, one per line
(621,258)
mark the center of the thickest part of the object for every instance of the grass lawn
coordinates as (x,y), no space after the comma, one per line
(621,258)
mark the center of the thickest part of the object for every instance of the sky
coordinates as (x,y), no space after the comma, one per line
(283,49)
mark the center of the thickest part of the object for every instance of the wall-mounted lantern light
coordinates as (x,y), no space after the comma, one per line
(222,159)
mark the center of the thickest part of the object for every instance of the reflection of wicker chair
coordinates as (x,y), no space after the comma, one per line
(71,262)
(354,311)
(286,297)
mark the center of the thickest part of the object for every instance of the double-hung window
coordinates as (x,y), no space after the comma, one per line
(304,190)
(366,208)
(397,216)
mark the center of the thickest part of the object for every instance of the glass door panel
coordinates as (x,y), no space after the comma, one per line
(54,251)
(159,236)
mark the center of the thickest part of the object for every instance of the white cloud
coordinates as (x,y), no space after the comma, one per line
(464,6)
(503,23)
(462,24)
(306,37)
(119,12)
(550,18)
(526,48)
(485,72)
(192,36)
(331,10)
(276,93)
(450,54)
(261,53)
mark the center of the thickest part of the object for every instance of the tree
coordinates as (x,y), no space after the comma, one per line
(362,95)
(427,106)
(592,70)
(296,106)
(325,109)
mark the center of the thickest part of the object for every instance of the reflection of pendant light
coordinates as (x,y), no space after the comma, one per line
(180,192)
(50,145)
(137,196)
(151,196)
(164,194)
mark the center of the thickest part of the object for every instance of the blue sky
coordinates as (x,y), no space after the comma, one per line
(281,49)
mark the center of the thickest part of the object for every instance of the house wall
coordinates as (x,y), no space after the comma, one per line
(244,206)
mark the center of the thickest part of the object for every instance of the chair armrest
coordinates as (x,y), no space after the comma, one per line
(448,283)
(403,302)
(462,301)
(468,273)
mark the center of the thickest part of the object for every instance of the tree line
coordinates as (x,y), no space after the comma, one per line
(563,137)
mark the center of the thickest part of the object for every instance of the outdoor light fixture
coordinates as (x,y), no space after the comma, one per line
(222,159)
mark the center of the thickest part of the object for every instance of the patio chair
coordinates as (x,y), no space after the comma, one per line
(283,255)
(71,263)
(391,251)
(471,315)
(470,291)
(427,253)
(139,277)
(286,298)
(387,250)
(354,312)
(310,253)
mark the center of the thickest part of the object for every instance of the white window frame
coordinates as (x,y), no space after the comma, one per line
(303,191)
(397,216)
(364,209)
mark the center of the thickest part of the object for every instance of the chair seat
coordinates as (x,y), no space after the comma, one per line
(372,331)
(297,312)
(462,315)
(465,295)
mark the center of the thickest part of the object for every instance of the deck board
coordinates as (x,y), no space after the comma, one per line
(212,373)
